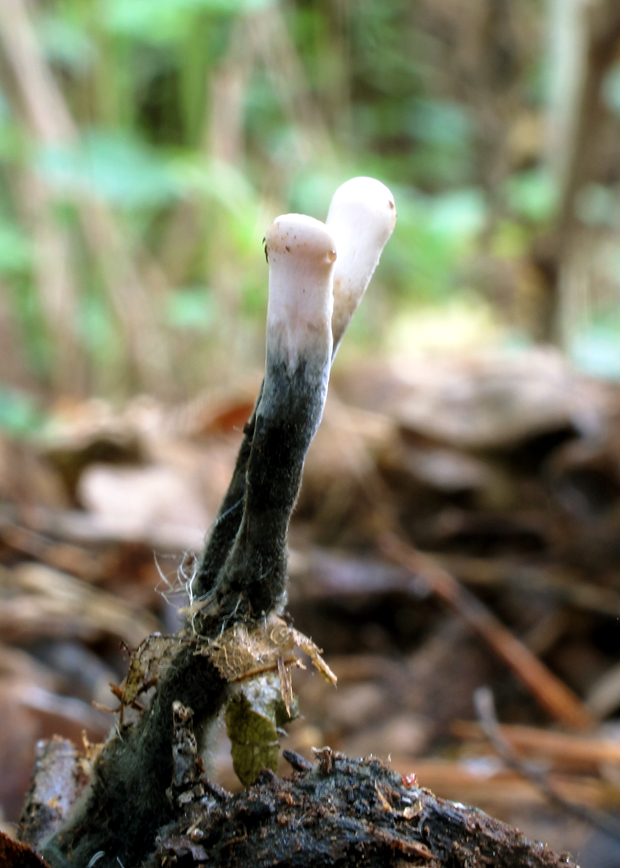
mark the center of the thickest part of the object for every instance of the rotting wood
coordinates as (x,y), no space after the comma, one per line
(335,812)
(345,812)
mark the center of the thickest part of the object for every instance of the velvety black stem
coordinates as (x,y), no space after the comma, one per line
(229,516)
(252,581)
(228,519)
(128,803)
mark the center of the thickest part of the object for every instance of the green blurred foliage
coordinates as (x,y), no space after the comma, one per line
(595,349)
(140,79)
(111,166)
(20,415)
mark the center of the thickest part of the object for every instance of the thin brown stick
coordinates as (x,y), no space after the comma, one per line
(490,787)
(271,39)
(551,693)
(485,707)
(558,747)
(50,121)
(563,584)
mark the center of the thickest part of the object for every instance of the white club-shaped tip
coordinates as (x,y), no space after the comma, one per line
(301,252)
(361,218)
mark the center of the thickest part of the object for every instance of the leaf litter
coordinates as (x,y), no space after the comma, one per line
(523,515)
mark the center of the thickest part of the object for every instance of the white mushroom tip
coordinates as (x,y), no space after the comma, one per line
(368,193)
(301,252)
(302,237)
(361,217)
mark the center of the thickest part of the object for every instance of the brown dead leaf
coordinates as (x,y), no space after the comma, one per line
(241,653)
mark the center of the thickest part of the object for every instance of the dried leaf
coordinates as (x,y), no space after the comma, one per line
(240,654)
(146,665)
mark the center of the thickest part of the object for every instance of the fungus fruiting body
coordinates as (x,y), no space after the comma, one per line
(360,221)
(301,255)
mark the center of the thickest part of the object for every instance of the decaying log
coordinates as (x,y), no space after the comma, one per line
(336,812)
(345,812)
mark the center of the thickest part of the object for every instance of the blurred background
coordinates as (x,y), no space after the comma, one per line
(145,146)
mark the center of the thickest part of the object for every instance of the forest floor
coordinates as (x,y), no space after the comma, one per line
(454,552)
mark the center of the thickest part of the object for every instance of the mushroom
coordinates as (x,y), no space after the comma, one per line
(361,217)
(301,255)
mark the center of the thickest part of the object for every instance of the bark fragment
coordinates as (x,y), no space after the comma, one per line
(346,812)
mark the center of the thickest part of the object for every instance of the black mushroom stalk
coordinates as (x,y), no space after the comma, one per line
(251,581)
(361,219)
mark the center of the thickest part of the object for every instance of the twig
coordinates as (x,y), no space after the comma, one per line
(551,693)
(485,708)
(565,586)
(48,117)
(560,747)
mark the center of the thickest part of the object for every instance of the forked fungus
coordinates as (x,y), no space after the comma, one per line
(300,251)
